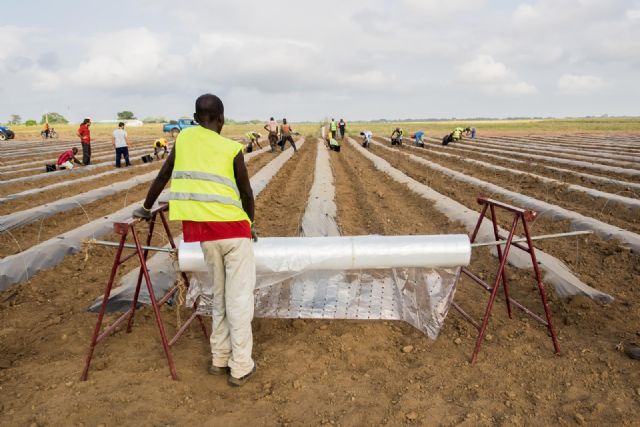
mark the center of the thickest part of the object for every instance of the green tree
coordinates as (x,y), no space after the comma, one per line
(15,119)
(53,118)
(126,115)
(30,122)
(158,119)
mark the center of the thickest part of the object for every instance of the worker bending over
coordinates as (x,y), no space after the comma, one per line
(160,145)
(286,134)
(212,196)
(252,137)
(456,135)
(334,144)
(272,128)
(366,138)
(418,139)
(67,159)
(396,137)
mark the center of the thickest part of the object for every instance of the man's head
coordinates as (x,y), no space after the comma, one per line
(75,150)
(121,125)
(209,112)
(86,122)
(271,119)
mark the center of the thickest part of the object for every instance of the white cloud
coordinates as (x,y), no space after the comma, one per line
(484,69)
(126,59)
(572,84)
(491,76)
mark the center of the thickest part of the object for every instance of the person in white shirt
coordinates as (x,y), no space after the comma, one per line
(366,138)
(120,142)
(272,128)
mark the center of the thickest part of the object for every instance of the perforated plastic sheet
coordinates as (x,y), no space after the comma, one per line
(318,277)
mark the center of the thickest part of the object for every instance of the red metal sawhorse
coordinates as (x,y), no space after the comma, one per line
(519,215)
(124,229)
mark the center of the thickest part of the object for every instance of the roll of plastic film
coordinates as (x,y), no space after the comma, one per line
(296,254)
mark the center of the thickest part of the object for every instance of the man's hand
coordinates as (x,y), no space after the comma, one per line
(254,235)
(142,213)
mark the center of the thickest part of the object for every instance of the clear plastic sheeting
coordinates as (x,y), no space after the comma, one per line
(554,212)
(585,164)
(319,277)
(27,216)
(62,184)
(319,218)
(627,201)
(556,272)
(529,163)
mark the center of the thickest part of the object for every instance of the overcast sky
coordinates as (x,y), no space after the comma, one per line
(308,60)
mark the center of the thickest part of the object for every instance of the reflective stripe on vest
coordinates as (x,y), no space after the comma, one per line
(205,176)
(209,198)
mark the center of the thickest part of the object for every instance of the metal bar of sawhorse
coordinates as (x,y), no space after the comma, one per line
(124,229)
(519,216)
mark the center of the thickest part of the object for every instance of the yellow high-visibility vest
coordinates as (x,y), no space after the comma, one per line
(203,184)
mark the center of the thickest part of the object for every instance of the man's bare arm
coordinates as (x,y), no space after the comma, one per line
(161,180)
(244,185)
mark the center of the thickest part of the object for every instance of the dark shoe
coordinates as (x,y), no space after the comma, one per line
(632,350)
(217,370)
(237,382)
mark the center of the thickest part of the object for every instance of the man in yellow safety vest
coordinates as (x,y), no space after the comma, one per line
(252,137)
(212,196)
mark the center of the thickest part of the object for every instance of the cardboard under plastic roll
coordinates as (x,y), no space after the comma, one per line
(296,254)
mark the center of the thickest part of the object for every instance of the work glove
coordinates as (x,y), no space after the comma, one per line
(142,213)
(254,235)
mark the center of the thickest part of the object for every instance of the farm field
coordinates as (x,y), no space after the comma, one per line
(338,372)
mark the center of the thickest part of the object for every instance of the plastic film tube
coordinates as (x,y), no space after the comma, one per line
(296,254)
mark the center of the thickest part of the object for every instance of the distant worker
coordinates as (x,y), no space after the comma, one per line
(218,213)
(418,139)
(272,128)
(366,138)
(120,142)
(334,144)
(252,137)
(160,145)
(85,139)
(456,135)
(396,137)
(286,135)
(45,130)
(333,127)
(342,125)
(473,133)
(67,159)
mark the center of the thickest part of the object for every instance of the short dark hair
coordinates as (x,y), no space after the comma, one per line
(85,121)
(209,107)
(121,124)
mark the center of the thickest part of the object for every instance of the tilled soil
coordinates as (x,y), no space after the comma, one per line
(566,177)
(599,208)
(34,200)
(506,153)
(330,372)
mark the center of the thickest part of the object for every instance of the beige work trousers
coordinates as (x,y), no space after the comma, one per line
(232,265)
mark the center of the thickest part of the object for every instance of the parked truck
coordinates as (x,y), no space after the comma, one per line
(175,126)
(6,133)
